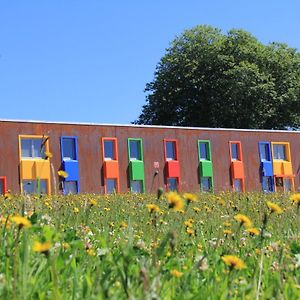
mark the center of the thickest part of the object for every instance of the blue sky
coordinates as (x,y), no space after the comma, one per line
(89,61)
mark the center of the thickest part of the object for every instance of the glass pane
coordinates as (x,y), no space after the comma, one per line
(264,152)
(70,187)
(234,152)
(279,152)
(111,186)
(2,186)
(26,148)
(69,149)
(109,150)
(287,185)
(43,186)
(172,184)
(134,149)
(237,185)
(170,151)
(37,149)
(204,151)
(29,186)
(267,184)
(205,184)
(136,186)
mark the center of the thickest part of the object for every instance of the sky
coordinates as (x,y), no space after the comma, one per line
(89,60)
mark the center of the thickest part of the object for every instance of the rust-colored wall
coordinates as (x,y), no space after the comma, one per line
(90,153)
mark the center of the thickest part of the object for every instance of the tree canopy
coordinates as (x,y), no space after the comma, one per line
(231,80)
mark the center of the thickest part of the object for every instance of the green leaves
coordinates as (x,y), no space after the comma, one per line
(207,78)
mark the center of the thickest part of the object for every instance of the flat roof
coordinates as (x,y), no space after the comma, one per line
(145,126)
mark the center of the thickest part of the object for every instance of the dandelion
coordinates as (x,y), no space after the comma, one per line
(233,262)
(62,173)
(175,202)
(76,210)
(106,209)
(48,154)
(190,231)
(253,231)
(123,225)
(91,252)
(189,223)
(274,207)
(227,231)
(153,208)
(227,224)
(296,198)
(189,197)
(196,209)
(176,273)
(244,220)
(21,221)
(41,247)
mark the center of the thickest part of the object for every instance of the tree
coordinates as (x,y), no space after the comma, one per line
(231,80)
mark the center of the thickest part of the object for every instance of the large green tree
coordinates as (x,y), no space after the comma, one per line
(211,79)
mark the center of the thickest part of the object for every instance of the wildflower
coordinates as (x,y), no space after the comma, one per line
(48,154)
(123,225)
(7,196)
(190,231)
(41,247)
(274,207)
(244,220)
(91,252)
(66,246)
(62,174)
(189,197)
(233,262)
(253,231)
(189,223)
(176,273)
(111,224)
(227,224)
(21,221)
(76,210)
(296,198)
(106,209)
(227,231)
(196,209)
(175,202)
(153,208)
(93,202)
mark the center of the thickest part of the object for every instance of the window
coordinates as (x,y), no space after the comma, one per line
(70,187)
(267,183)
(204,151)
(136,186)
(32,148)
(34,186)
(172,184)
(109,150)
(2,186)
(264,152)
(287,186)
(111,186)
(235,151)
(135,149)
(279,152)
(171,150)
(237,185)
(205,184)
(69,148)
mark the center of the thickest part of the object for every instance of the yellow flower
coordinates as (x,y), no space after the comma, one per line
(41,247)
(189,223)
(176,273)
(296,198)
(21,221)
(253,231)
(227,224)
(227,231)
(62,173)
(244,220)
(111,224)
(274,207)
(48,154)
(189,197)
(7,196)
(91,252)
(153,208)
(233,262)
(196,209)
(106,209)
(190,231)
(175,202)
(76,210)
(123,225)
(93,202)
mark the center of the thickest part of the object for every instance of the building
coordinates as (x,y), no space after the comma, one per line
(105,158)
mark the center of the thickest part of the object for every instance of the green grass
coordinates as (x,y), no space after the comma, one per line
(114,248)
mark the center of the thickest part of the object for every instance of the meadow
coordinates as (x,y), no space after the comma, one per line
(170,246)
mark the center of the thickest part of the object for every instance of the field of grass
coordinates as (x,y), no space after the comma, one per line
(130,246)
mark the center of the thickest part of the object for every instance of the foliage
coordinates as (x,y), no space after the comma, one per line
(211,79)
(119,247)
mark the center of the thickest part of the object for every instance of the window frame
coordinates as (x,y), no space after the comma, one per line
(175,143)
(208,150)
(239,150)
(3,179)
(140,141)
(45,141)
(115,148)
(75,138)
(287,151)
